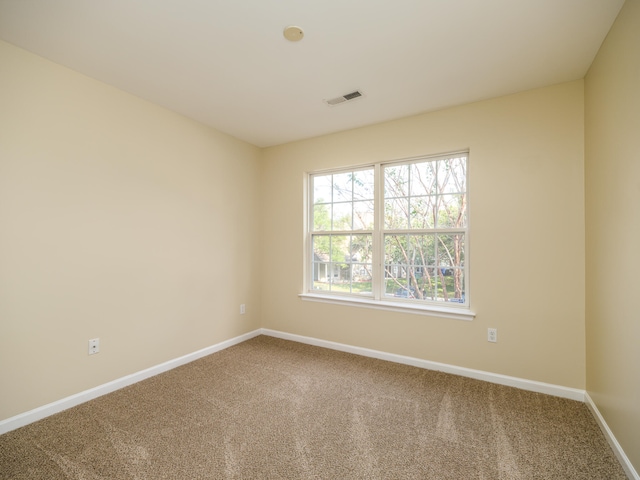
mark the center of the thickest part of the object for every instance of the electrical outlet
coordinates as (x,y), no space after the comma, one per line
(492,335)
(94,346)
(242,309)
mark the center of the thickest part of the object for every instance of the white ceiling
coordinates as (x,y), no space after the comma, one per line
(226,63)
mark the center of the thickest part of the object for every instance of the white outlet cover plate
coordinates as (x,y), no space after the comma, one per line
(492,335)
(94,346)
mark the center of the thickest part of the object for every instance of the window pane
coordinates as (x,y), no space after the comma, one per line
(396,213)
(362,248)
(451,250)
(322,189)
(342,216)
(405,292)
(452,175)
(361,278)
(423,250)
(409,261)
(363,215)
(396,181)
(395,249)
(416,250)
(430,284)
(341,278)
(342,263)
(342,187)
(336,196)
(320,276)
(322,217)
(340,245)
(422,212)
(423,178)
(452,211)
(395,280)
(321,248)
(363,186)
(451,281)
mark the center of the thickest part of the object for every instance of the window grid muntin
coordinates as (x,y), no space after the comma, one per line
(440,188)
(431,262)
(337,263)
(438,191)
(379,280)
(341,200)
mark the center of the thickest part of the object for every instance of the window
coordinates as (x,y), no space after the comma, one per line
(391,232)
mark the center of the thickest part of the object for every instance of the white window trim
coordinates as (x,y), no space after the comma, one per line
(462,312)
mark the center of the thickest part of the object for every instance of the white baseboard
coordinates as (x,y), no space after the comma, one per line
(531,385)
(46,410)
(615,446)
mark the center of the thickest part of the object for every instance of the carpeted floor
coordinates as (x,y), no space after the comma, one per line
(271,409)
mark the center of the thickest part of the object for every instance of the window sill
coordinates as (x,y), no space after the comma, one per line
(398,306)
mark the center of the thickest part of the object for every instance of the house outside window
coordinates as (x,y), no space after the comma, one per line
(391,232)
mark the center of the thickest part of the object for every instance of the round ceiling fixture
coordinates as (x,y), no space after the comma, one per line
(293,33)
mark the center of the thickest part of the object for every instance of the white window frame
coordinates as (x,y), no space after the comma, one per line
(378,300)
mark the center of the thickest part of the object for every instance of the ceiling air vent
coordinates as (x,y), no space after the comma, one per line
(344,98)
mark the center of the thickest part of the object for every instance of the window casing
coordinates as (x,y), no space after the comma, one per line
(391,232)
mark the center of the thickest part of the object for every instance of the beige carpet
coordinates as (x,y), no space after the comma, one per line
(269,409)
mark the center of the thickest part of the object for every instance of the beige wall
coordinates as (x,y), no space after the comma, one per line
(612,166)
(527,236)
(119,220)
